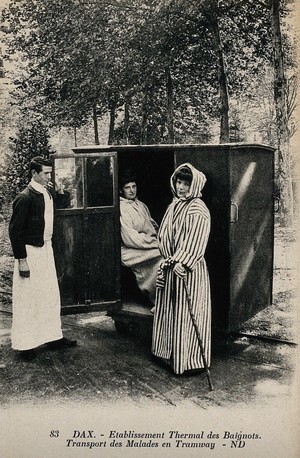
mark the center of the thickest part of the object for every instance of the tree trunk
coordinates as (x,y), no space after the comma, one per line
(112,117)
(143,136)
(96,126)
(223,91)
(170,105)
(283,147)
(75,136)
(126,121)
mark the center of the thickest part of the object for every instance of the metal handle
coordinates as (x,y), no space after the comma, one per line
(234,213)
(276,204)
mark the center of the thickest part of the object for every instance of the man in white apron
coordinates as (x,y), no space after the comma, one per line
(36,297)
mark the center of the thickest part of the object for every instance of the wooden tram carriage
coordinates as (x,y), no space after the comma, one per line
(238,193)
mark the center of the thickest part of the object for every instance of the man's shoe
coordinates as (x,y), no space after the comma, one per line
(68,342)
(61,343)
(27,355)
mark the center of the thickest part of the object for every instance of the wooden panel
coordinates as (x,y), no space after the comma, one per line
(69,256)
(102,268)
(251,237)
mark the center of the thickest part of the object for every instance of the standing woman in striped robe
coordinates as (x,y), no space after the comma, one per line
(182,240)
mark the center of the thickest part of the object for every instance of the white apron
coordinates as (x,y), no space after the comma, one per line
(36,300)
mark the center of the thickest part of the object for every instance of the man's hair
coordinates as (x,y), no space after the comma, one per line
(185,174)
(37,163)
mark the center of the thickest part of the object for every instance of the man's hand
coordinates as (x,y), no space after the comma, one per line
(59,188)
(49,185)
(179,270)
(24,270)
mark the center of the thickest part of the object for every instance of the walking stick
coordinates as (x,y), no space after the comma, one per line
(198,334)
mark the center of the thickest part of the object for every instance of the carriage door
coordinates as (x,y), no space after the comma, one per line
(251,231)
(87,232)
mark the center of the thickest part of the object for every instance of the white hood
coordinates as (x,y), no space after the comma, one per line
(197,184)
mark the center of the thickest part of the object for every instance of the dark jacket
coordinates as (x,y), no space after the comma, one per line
(27,223)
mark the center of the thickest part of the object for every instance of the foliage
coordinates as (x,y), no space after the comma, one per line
(75,55)
(163,70)
(30,141)
(79,54)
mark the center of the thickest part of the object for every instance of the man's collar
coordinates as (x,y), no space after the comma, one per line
(36,186)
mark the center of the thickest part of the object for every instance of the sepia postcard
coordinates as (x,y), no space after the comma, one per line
(126,92)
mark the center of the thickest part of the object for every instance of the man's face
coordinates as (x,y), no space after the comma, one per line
(129,190)
(44,176)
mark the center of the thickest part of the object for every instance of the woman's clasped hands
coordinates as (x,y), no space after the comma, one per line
(179,270)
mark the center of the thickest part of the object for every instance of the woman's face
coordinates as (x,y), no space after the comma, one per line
(182,187)
(129,190)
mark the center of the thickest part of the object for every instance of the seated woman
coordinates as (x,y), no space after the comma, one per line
(139,249)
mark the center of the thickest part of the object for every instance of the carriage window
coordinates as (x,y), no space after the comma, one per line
(99,172)
(68,177)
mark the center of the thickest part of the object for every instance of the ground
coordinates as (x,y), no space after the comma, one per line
(110,367)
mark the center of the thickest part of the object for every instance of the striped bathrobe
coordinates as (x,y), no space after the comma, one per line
(183,237)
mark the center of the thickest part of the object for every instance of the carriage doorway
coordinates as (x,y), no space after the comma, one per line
(153,169)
